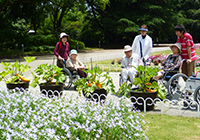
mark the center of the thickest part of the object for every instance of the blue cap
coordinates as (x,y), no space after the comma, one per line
(143,29)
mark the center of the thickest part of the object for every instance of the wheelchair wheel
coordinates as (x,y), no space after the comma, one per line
(197,94)
(68,78)
(176,83)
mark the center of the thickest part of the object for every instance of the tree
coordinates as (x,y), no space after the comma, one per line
(58,9)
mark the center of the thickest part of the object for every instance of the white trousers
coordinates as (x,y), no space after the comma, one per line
(130,72)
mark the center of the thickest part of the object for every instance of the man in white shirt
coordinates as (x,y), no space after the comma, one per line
(129,60)
(142,45)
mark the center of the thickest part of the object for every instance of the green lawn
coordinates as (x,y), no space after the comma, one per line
(107,66)
(164,127)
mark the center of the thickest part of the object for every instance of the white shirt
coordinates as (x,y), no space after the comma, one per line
(134,60)
(146,46)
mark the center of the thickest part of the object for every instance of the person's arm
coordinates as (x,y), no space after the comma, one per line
(140,62)
(123,62)
(56,51)
(134,44)
(81,65)
(68,52)
(149,48)
(189,54)
(69,63)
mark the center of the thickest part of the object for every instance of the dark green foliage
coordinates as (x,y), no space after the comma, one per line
(40,43)
(73,44)
(113,23)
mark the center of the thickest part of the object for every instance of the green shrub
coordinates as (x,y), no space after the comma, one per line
(73,44)
(42,41)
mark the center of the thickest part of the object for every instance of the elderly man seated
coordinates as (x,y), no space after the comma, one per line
(129,60)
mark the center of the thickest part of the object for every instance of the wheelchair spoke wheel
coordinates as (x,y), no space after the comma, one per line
(197,94)
(177,83)
(68,78)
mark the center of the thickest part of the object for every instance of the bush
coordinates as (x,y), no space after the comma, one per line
(49,40)
(73,44)
(30,116)
(39,40)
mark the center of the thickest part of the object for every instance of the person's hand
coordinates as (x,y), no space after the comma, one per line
(60,58)
(188,61)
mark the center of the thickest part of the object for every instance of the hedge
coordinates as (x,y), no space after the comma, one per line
(50,40)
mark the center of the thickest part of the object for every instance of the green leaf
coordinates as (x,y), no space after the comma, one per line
(29,59)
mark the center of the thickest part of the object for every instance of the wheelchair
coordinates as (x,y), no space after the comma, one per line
(182,87)
(71,75)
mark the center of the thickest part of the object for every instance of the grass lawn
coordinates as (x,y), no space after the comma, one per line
(164,127)
(107,66)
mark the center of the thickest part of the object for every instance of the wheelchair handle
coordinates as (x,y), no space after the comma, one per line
(64,62)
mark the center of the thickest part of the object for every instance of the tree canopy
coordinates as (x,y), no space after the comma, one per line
(113,22)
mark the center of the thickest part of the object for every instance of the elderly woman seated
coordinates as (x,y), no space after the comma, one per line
(172,62)
(74,62)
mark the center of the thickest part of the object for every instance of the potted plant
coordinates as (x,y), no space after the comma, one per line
(49,78)
(146,88)
(13,73)
(95,82)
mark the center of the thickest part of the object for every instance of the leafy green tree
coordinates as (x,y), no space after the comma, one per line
(58,9)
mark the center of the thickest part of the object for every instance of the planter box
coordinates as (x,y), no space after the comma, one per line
(144,95)
(101,93)
(20,85)
(52,89)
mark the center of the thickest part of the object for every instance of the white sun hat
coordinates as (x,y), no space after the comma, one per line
(127,48)
(64,35)
(178,45)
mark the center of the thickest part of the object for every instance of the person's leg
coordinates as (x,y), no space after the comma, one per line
(124,75)
(131,74)
(191,68)
(60,64)
(158,76)
(81,73)
(184,68)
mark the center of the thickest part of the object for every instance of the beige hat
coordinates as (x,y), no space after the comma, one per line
(127,48)
(178,45)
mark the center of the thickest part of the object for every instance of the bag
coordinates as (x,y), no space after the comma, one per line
(61,45)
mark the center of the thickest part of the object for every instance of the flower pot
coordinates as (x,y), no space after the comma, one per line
(102,93)
(51,89)
(143,95)
(20,85)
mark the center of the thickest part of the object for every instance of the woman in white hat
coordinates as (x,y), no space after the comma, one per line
(142,45)
(74,62)
(62,49)
(172,62)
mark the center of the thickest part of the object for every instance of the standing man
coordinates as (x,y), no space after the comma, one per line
(142,45)
(188,51)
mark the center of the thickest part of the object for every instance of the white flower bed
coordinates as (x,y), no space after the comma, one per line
(29,116)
